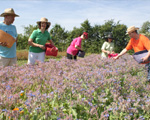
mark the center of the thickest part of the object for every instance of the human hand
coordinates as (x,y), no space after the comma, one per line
(3,44)
(116,57)
(108,52)
(42,47)
(145,59)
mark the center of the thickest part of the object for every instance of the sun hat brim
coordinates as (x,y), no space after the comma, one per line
(49,23)
(4,14)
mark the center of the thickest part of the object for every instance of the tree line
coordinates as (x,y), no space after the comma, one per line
(93,44)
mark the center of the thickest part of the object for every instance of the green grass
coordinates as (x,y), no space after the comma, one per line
(21,62)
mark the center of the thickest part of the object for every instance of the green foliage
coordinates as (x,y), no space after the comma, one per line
(29,29)
(121,39)
(86,27)
(22,42)
(145,29)
(59,36)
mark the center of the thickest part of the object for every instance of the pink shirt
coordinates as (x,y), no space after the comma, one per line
(71,49)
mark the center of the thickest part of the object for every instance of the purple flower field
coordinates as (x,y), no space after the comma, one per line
(90,88)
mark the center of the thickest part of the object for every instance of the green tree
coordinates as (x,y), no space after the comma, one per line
(119,33)
(22,42)
(95,40)
(145,29)
(86,44)
(59,36)
(120,37)
(29,29)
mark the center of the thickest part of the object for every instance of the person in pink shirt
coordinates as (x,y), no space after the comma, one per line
(75,46)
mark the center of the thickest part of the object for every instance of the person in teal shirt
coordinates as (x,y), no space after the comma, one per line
(38,40)
(107,47)
(8,55)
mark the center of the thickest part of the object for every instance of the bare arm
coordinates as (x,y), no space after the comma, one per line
(105,51)
(120,54)
(51,42)
(31,43)
(77,47)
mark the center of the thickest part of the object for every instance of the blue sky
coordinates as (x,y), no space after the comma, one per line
(71,13)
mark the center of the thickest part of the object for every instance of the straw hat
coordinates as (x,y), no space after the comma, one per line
(131,29)
(44,20)
(9,11)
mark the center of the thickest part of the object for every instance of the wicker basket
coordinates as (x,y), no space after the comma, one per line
(5,37)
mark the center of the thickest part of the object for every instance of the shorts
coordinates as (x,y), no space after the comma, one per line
(7,61)
(33,57)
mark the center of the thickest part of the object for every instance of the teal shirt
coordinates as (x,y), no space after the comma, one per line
(40,38)
(5,51)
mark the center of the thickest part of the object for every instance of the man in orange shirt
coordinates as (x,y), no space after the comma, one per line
(138,42)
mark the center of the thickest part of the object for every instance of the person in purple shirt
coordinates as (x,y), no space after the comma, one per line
(75,46)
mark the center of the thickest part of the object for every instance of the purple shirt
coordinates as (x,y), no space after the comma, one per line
(71,49)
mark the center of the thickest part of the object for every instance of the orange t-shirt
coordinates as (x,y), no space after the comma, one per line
(143,43)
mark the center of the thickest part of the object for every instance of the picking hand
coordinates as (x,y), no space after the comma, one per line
(116,57)
(3,44)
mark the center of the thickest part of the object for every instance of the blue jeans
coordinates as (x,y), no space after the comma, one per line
(148,70)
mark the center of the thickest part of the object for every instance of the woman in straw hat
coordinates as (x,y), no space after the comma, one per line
(108,46)
(37,41)
(138,42)
(8,55)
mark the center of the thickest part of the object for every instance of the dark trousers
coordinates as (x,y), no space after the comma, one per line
(69,56)
(148,70)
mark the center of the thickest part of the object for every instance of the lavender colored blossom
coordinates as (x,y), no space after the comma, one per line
(107,115)
(89,88)
(4,110)
(8,87)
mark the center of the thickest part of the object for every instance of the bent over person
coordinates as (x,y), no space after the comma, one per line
(138,42)
(8,55)
(75,46)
